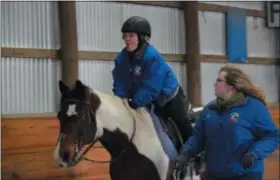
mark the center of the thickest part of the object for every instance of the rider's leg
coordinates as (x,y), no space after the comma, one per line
(177,109)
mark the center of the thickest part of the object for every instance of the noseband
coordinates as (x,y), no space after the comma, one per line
(78,142)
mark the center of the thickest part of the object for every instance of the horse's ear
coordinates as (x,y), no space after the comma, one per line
(79,86)
(62,87)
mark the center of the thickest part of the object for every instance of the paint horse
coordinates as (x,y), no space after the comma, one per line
(138,142)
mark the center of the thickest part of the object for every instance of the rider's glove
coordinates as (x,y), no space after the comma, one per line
(181,160)
(132,104)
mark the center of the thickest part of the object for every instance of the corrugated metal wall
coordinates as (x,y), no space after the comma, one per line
(99,26)
(262,42)
(99,30)
(30,86)
(30,25)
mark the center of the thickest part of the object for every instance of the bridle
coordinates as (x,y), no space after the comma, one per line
(81,156)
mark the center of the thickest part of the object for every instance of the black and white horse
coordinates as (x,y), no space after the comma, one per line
(130,136)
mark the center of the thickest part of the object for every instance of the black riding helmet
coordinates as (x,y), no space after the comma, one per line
(139,25)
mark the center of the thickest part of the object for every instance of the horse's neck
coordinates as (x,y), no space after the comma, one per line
(116,115)
(115,123)
(114,142)
(113,115)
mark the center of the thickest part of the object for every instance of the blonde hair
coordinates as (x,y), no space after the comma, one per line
(242,82)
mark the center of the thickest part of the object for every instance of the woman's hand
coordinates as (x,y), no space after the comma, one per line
(247,160)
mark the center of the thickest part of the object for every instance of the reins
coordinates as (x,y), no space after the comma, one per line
(82,155)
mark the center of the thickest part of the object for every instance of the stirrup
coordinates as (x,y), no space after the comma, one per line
(179,174)
(176,174)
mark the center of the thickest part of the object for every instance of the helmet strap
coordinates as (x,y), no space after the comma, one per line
(147,39)
(142,38)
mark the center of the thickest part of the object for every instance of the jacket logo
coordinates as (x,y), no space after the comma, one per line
(138,70)
(234,117)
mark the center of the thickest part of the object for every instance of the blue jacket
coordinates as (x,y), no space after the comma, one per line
(143,80)
(247,127)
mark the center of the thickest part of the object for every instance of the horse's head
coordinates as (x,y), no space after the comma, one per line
(77,119)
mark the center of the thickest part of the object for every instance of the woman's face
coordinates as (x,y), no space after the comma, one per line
(221,86)
(131,41)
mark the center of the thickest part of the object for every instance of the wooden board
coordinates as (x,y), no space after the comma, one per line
(272,166)
(29,53)
(27,147)
(45,160)
(28,144)
(40,135)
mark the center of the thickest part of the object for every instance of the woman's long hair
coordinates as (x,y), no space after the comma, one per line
(242,82)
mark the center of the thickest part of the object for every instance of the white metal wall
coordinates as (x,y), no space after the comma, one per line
(99,29)
(30,25)
(30,85)
(99,25)
(261,42)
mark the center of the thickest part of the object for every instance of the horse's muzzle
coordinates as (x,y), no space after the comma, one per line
(65,156)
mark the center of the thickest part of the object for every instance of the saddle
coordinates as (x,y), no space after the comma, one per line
(170,135)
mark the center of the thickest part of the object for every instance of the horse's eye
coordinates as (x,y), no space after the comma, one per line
(59,115)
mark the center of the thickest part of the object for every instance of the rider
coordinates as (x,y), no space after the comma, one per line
(142,75)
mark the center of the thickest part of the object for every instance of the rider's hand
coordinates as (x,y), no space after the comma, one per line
(132,104)
(181,160)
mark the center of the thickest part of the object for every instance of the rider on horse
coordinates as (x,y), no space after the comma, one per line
(142,75)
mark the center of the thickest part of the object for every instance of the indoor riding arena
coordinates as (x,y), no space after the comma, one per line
(44,42)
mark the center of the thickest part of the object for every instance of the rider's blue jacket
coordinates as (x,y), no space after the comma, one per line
(145,80)
(226,137)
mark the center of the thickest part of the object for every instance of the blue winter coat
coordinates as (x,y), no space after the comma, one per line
(143,80)
(247,127)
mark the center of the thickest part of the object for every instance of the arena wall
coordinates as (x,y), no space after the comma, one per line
(261,42)
(28,143)
(29,85)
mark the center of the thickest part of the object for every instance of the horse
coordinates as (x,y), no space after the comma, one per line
(130,136)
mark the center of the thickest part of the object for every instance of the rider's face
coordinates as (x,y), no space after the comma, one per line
(130,40)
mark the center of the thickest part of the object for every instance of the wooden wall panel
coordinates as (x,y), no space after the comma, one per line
(28,144)
(39,135)
(27,147)
(110,56)
(272,167)
(272,162)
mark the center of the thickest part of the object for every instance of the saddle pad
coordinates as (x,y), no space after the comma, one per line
(166,142)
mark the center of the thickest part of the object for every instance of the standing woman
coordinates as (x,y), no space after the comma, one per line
(236,130)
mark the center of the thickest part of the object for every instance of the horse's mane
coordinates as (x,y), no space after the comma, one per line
(111,99)
(139,113)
